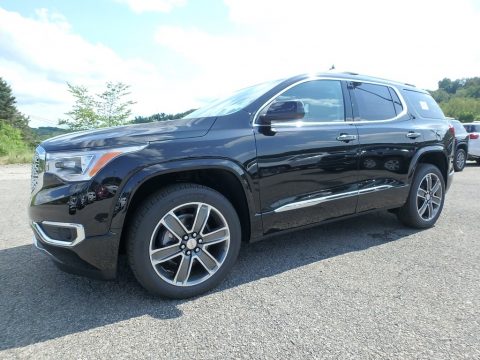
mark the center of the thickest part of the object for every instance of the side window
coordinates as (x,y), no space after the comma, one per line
(374,101)
(396,101)
(424,104)
(322,100)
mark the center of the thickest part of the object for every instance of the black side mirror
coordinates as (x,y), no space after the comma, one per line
(283,111)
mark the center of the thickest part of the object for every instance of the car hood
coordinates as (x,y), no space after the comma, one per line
(131,134)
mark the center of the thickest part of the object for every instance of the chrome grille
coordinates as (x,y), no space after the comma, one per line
(38,164)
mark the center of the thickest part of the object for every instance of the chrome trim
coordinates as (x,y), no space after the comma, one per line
(312,202)
(38,167)
(292,124)
(45,238)
(35,243)
(374,189)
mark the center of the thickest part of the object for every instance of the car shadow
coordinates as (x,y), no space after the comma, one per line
(40,302)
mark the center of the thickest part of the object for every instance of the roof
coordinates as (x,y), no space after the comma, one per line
(360,77)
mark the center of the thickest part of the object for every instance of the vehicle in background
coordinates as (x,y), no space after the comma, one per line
(474,142)
(461,145)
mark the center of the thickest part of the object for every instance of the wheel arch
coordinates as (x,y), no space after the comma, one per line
(434,155)
(224,176)
(464,147)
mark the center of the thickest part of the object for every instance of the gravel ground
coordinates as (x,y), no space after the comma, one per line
(363,288)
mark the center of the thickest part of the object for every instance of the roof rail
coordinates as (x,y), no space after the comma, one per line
(349,73)
(409,84)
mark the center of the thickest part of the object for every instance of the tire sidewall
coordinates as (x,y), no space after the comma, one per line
(140,241)
(421,172)
(460,168)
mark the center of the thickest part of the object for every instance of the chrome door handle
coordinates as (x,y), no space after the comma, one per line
(346,137)
(412,135)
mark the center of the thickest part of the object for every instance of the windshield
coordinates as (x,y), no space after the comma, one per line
(238,100)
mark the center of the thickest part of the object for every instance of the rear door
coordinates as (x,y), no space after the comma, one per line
(387,143)
(307,169)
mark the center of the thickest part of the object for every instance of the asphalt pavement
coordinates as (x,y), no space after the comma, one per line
(361,288)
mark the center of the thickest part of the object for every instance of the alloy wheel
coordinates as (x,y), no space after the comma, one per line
(460,160)
(189,244)
(429,196)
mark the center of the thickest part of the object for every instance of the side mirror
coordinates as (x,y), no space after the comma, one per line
(283,111)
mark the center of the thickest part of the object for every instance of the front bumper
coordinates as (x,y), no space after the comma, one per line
(94,257)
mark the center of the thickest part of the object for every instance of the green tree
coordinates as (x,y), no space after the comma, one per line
(10,115)
(101,110)
(462,108)
(111,108)
(11,139)
(449,86)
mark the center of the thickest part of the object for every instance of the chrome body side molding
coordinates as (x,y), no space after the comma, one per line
(315,201)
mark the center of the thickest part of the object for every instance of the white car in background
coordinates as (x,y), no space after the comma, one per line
(474,144)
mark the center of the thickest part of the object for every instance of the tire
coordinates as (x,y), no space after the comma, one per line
(162,259)
(411,213)
(478,161)
(460,160)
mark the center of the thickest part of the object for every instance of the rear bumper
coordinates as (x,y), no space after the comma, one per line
(95,257)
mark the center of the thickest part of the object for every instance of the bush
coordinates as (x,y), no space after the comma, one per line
(12,146)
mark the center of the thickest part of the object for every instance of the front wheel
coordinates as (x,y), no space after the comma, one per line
(426,198)
(460,160)
(183,241)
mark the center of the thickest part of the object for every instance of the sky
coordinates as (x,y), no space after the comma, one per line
(180,54)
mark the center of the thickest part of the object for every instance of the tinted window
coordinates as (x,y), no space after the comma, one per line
(396,101)
(424,105)
(322,100)
(374,102)
(472,128)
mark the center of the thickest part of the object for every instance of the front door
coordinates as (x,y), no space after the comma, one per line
(308,167)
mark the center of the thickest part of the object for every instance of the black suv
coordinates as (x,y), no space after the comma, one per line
(180,196)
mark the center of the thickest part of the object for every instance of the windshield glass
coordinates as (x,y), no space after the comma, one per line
(238,100)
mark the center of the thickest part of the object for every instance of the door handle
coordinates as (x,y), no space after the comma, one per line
(346,137)
(412,135)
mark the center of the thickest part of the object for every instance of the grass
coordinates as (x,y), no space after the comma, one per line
(21,156)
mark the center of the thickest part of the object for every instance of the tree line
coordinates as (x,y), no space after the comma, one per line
(458,98)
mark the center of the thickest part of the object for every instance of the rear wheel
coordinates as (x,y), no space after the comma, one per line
(460,160)
(426,198)
(183,241)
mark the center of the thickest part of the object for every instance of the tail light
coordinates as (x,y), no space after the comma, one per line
(474,136)
(452,130)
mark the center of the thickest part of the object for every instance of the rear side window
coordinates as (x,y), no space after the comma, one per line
(424,104)
(374,101)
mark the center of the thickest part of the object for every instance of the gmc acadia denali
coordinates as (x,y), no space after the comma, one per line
(180,196)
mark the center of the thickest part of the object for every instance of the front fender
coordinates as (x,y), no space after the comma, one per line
(134,183)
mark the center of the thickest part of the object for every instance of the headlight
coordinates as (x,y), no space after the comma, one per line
(78,166)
